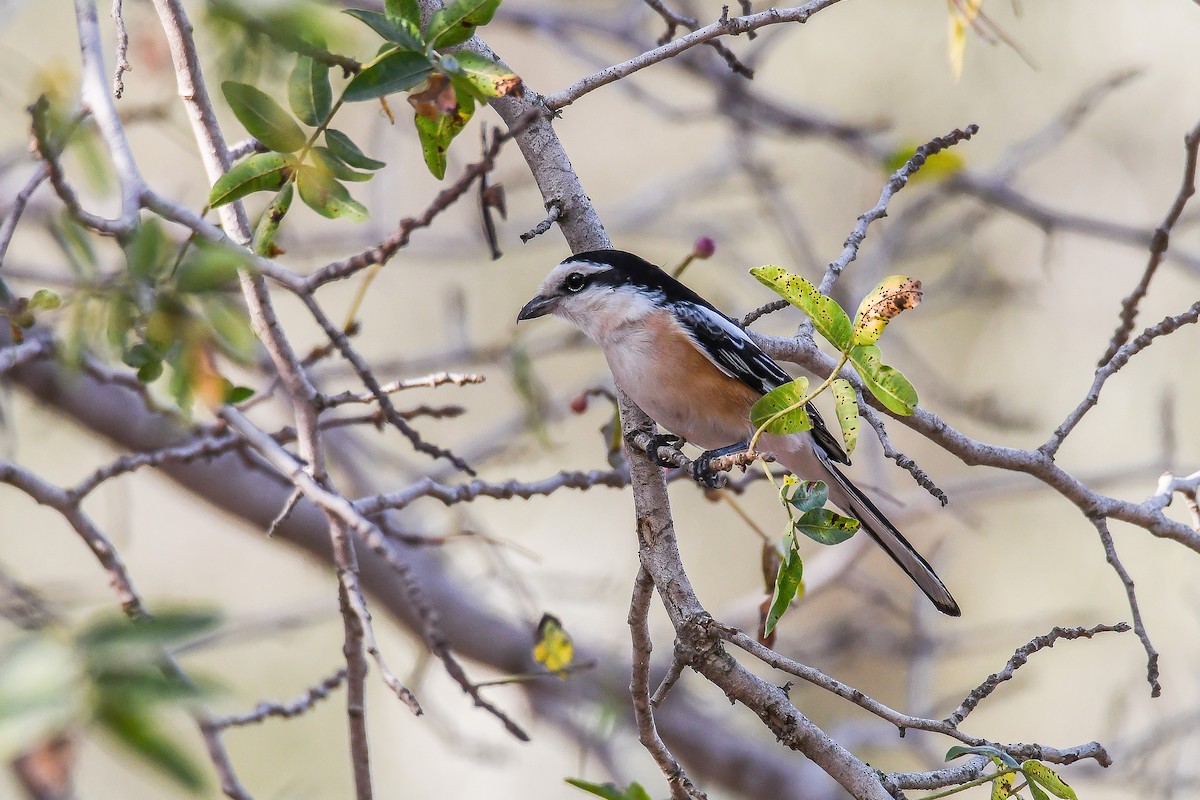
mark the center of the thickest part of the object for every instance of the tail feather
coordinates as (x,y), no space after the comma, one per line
(851,499)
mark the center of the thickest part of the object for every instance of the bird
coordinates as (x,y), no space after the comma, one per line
(696,373)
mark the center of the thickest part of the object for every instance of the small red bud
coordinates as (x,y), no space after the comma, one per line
(704,247)
(579,403)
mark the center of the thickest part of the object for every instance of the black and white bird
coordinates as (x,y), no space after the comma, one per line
(697,374)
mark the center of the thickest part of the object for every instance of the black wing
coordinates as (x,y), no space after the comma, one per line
(736,354)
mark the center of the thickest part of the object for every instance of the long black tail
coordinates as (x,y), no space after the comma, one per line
(891,540)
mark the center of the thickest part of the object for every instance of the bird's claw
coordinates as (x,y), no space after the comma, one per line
(702,471)
(662,440)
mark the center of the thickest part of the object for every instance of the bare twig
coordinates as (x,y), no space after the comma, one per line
(1139,626)
(553,211)
(674,20)
(1110,368)
(505,490)
(9,226)
(288,709)
(904,462)
(122,65)
(1158,247)
(639,688)
(428,381)
(726,26)
(897,181)
(61,501)
(383,252)
(1020,657)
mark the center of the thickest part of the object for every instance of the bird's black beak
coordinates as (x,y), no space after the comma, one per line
(537,307)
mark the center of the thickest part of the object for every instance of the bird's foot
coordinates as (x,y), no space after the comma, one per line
(663,440)
(702,471)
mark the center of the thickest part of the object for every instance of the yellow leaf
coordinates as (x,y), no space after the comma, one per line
(962,14)
(554,649)
(1002,786)
(894,294)
(939,165)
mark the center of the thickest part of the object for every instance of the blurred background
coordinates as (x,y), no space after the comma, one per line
(1081,116)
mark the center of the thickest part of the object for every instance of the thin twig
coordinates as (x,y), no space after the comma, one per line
(1020,657)
(674,20)
(383,252)
(726,26)
(639,689)
(122,54)
(1158,247)
(1139,626)
(287,709)
(897,181)
(1110,367)
(553,212)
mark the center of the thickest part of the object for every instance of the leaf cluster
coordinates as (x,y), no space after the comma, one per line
(805,504)
(173,306)
(106,676)
(784,410)
(443,90)
(1040,780)
(449,85)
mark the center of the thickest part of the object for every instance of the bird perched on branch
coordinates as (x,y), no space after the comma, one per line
(697,374)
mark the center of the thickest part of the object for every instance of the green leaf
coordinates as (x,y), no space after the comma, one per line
(485,77)
(76,243)
(117,639)
(403,9)
(394,71)
(44,300)
(437,133)
(894,294)
(231,326)
(828,317)
(263,118)
(809,495)
(209,268)
(259,173)
(143,685)
(788,582)
(147,253)
(139,355)
(1037,792)
(263,242)
(41,691)
(1039,774)
(345,149)
(996,754)
(121,316)
(238,394)
(150,371)
(825,526)
(184,377)
(789,396)
(457,21)
(321,192)
(609,791)
(401,30)
(847,412)
(333,165)
(309,92)
(136,728)
(888,384)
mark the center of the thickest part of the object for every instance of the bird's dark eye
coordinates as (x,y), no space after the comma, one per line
(575,282)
